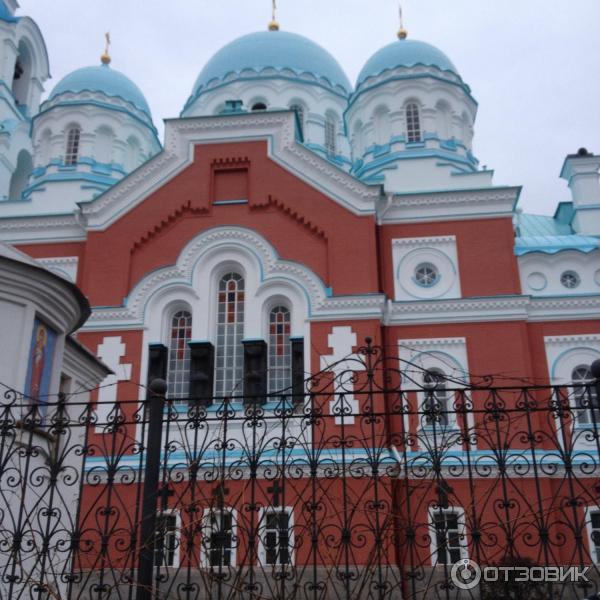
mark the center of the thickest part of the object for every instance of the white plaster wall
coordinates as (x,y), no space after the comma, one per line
(440,251)
(280,94)
(16,323)
(430,94)
(540,273)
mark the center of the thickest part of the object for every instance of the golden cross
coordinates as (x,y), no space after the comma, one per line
(401,32)
(274,10)
(107,47)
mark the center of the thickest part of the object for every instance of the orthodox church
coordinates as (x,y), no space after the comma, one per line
(287,215)
(291,207)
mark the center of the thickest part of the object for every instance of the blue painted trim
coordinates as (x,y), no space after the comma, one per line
(338,159)
(409,155)
(316,456)
(77,176)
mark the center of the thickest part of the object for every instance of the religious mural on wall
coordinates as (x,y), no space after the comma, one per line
(39,367)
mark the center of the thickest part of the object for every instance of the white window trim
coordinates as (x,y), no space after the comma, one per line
(176,558)
(588,526)
(563,354)
(206,530)
(262,551)
(464,542)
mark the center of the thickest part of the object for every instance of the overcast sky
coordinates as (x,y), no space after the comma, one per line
(533,65)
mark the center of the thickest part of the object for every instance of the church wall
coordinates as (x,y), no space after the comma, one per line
(484,248)
(288,212)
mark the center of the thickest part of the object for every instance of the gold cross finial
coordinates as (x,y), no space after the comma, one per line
(105,58)
(402,33)
(274,25)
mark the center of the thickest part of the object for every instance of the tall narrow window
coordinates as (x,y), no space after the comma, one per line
(330,135)
(178,374)
(277,550)
(219,539)
(280,350)
(448,535)
(229,371)
(594,525)
(167,542)
(586,397)
(72,149)
(437,398)
(300,114)
(413,123)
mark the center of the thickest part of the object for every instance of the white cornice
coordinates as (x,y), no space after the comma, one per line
(570,340)
(423,241)
(481,310)
(181,135)
(448,206)
(41,229)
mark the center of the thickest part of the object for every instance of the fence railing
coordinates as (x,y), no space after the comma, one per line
(370,488)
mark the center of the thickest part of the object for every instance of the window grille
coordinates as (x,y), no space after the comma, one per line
(277,538)
(449,547)
(72,150)
(330,135)
(178,374)
(413,123)
(219,539)
(437,397)
(230,332)
(280,351)
(165,549)
(586,397)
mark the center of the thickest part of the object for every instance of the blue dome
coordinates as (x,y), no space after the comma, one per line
(405,53)
(273,49)
(102,79)
(5,13)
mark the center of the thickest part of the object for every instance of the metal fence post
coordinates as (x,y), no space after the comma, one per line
(156,399)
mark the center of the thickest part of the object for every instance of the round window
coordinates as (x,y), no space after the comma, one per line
(426,275)
(570,279)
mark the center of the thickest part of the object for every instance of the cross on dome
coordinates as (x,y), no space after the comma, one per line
(105,58)
(274,25)
(402,33)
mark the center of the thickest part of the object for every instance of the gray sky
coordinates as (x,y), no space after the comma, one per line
(533,65)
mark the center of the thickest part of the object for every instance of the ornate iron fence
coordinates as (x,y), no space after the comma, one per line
(383,482)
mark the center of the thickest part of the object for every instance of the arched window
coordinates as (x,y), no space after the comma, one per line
(437,398)
(413,123)
(72,148)
(586,397)
(259,106)
(22,75)
(330,135)
(178,373)
(280,351)
(230,332)
(299,110)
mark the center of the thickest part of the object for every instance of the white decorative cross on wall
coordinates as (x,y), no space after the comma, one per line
(342,340)
(110,352)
